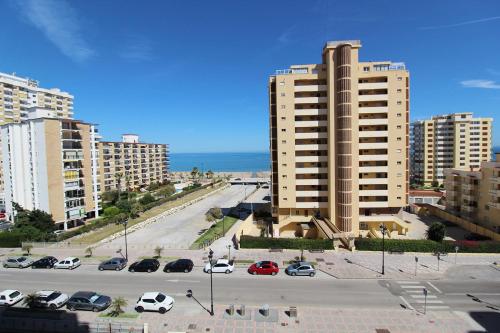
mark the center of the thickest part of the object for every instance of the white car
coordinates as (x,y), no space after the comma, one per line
(68,263)
(10,297)
(154,301)
(49,299)
(220,266)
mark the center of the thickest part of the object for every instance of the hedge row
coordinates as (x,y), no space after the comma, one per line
(250,242)
(423,245)
(10,239)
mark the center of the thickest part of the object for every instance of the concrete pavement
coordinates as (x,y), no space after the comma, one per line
(182,228)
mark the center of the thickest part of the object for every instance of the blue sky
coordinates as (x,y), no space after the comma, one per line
(194,73)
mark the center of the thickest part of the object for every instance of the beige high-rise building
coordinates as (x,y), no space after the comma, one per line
(475,195)
(18,95)
(131,164)
(339,135)
(51,164)
(455,140)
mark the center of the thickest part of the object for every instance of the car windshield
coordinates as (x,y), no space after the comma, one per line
(53,296)
(295,266)
(94,298)
(21,259)
(160,298)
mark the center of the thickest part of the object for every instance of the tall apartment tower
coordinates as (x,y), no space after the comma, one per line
(51,164)
(456,141)
(18,95)
(131,164)
(339,139)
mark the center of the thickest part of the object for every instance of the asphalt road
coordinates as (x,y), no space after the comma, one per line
(281,290)
(181,229)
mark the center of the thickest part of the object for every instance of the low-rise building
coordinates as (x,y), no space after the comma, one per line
(131,164)
(51,164)
(475,195)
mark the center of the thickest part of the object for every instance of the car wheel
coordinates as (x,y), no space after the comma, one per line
(254,273)
(71,308)
(149,270)
(52,306)
(48,267)
(273,273)
(228,271)
(132,270)
(311,274)
(101,269)
(5,266)
(293,274)
(168,270)
(162,310)
(95,309)
(139,309)
(209,271)
(186,270)
(117,269)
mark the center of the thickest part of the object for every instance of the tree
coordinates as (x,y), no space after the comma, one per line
(118,178)
(214,214)
(111,211)
(210,174)
(435,183)
(88,251)
(195,173)
(110,196)
(30,299)
(158,251)
(167,191)
(117,306)
(135,209)
(27,248)
(124,206)
(147,199)
(436,232)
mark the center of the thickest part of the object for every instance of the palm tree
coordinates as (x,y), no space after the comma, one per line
(116,306)
(118,177)
(210,174)
(88,251)
(127,183)
(194,173)
(29,300)
(158,251)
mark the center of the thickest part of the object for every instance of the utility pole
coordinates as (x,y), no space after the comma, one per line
(383,229)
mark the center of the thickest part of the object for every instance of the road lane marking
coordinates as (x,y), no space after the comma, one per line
(435,288)
(437,307)
(406,303)
(408,282)
(473,293)
(412,287)
(413,291)
(423,296)
(187,281)
(420,301)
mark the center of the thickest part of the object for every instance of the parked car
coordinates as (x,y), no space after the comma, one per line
(181,265)
(145,265)
(10,297)
(220,266)
(301,268)
(88,300)
(68,263)
(18,262)
(264,268)
(49,299)
(59,232)
(45,262)
(154,301)
(115,264)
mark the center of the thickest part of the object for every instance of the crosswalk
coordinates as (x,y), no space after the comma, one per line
(415,299)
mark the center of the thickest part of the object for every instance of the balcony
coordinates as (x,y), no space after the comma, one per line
(312,193)
(311,181)
(310,170)
(373,134)
(373,121)
(370,98)
(467,187)
(374,145)
(468,209)
(373,204)
(363,158)
(311,123)
(311,205)
(311,135)
(311,159)
(311,87)
(311,147)
(311,112)
(310,100)
(372,85)
(494,205)
(373,181)
(494,193)
(368,169)
(373,193)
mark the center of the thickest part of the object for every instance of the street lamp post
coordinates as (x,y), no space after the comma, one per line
(229,254)
(416,263)
(383,230)
(210,257)
(126,244)
(456,251)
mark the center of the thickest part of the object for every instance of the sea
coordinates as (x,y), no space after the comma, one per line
(217,162)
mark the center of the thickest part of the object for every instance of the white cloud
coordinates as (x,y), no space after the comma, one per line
(138,48)
(459,24)
(484,84)
(59,22)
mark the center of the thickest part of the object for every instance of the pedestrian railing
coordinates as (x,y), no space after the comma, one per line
(115,327)
(209,242)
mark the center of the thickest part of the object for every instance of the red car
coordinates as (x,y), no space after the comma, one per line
(264,268)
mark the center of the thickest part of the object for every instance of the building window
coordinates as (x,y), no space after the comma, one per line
(398,162)
(283,141)
(283,129)
(398,115)
(366,69)
(399,103)
(399,198)
(399,186)
(400,78)
(282,94)
(398,127)
(282,106)
(399,90)
(283,118)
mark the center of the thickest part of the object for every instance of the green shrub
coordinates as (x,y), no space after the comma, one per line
(436,232)
(251,242)
(111,211)
(10,239)
(147,199)
(424,245)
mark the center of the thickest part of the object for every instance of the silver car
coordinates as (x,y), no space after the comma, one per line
(301,268)
(18,262)
(115,264)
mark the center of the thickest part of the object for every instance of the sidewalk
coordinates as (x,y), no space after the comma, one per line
(308,320)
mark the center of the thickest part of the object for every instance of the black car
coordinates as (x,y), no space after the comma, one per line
(45,262)
(181,265)
(88,300)
(145,265)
